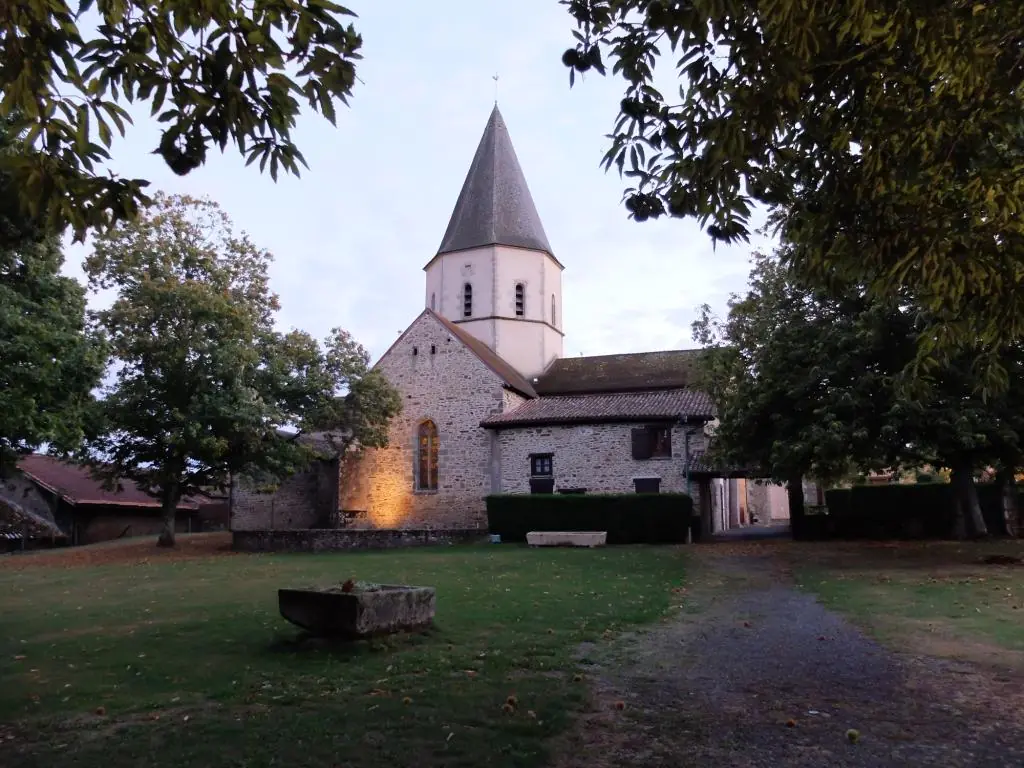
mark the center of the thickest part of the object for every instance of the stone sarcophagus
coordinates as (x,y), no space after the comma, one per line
(356,610)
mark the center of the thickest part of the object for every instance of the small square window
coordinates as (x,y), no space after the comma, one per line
(653,441)
(541,465)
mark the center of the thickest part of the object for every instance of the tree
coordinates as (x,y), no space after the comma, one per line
(50,359)
(812,382)
(884,137)
(212,73)
(797,377)
(204,384)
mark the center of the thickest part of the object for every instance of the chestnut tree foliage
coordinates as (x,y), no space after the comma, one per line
(202,382)
(885,139)
(814,382)
(50,357)
(211,72)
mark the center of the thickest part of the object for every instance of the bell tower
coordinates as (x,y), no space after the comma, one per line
(494,273)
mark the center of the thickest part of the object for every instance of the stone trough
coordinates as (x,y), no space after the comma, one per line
(364,611)
(567,538)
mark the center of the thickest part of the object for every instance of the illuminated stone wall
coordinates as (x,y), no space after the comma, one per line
(441,380)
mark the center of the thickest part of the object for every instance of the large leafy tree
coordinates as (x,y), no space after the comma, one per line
(813,382)
(212,73)
(203,383)
(50,359)
(884,137)
(799,379)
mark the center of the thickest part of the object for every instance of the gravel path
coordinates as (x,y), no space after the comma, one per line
(763,675)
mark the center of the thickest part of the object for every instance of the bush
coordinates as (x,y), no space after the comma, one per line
(923,511)
(629,518)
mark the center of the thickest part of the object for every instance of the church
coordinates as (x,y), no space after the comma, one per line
(490,405)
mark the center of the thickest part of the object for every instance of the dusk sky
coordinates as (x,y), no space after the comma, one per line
(351,236)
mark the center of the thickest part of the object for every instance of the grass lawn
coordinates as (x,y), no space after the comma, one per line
(189,663)
(936,598)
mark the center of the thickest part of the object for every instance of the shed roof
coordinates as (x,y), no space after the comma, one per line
(75,484)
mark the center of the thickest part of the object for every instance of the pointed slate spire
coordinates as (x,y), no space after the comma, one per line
(494,206)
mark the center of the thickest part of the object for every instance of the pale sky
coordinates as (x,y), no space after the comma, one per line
(351,236)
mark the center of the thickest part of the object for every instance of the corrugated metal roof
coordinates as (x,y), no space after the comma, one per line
(606,407)
(495,206)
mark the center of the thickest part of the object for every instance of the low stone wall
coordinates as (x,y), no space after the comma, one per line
(338,539)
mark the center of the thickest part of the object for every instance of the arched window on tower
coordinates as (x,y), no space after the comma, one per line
(467,300)
(554,317)
(426,456)
(433,301)
(520,300)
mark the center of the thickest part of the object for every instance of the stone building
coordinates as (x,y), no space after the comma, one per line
(490,403)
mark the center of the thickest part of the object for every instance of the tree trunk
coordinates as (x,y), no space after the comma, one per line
(169,511)
(969,517)
(796,506)
(1008,495)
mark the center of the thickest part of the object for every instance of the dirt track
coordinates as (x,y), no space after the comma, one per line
(755,673)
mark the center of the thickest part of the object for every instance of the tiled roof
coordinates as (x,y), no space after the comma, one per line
(75,484)
(17,521)
(606,407)
(494,206)
(671,369)
(701,464)
(489,357)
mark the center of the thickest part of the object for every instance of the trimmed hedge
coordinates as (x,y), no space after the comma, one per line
(629,518)
(922,511)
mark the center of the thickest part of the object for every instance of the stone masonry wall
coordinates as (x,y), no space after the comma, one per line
(333,539)
(303,500)
(598,457)
(453,388)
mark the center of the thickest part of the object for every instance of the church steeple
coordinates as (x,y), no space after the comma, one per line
(494,275)
(495,206)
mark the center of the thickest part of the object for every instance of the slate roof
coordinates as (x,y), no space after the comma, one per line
(76,485)
(637,371)
(608,407)
(494,206)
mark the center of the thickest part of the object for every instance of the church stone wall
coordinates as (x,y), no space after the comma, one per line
(597,457)
(454,389)
(306,499)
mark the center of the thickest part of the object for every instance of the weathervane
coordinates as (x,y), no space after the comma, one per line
(494,77)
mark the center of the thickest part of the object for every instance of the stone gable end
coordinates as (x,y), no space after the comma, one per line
(440,379)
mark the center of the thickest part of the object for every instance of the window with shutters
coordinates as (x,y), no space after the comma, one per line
(652,442)
(426,456)
(520,300)
(467,300)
